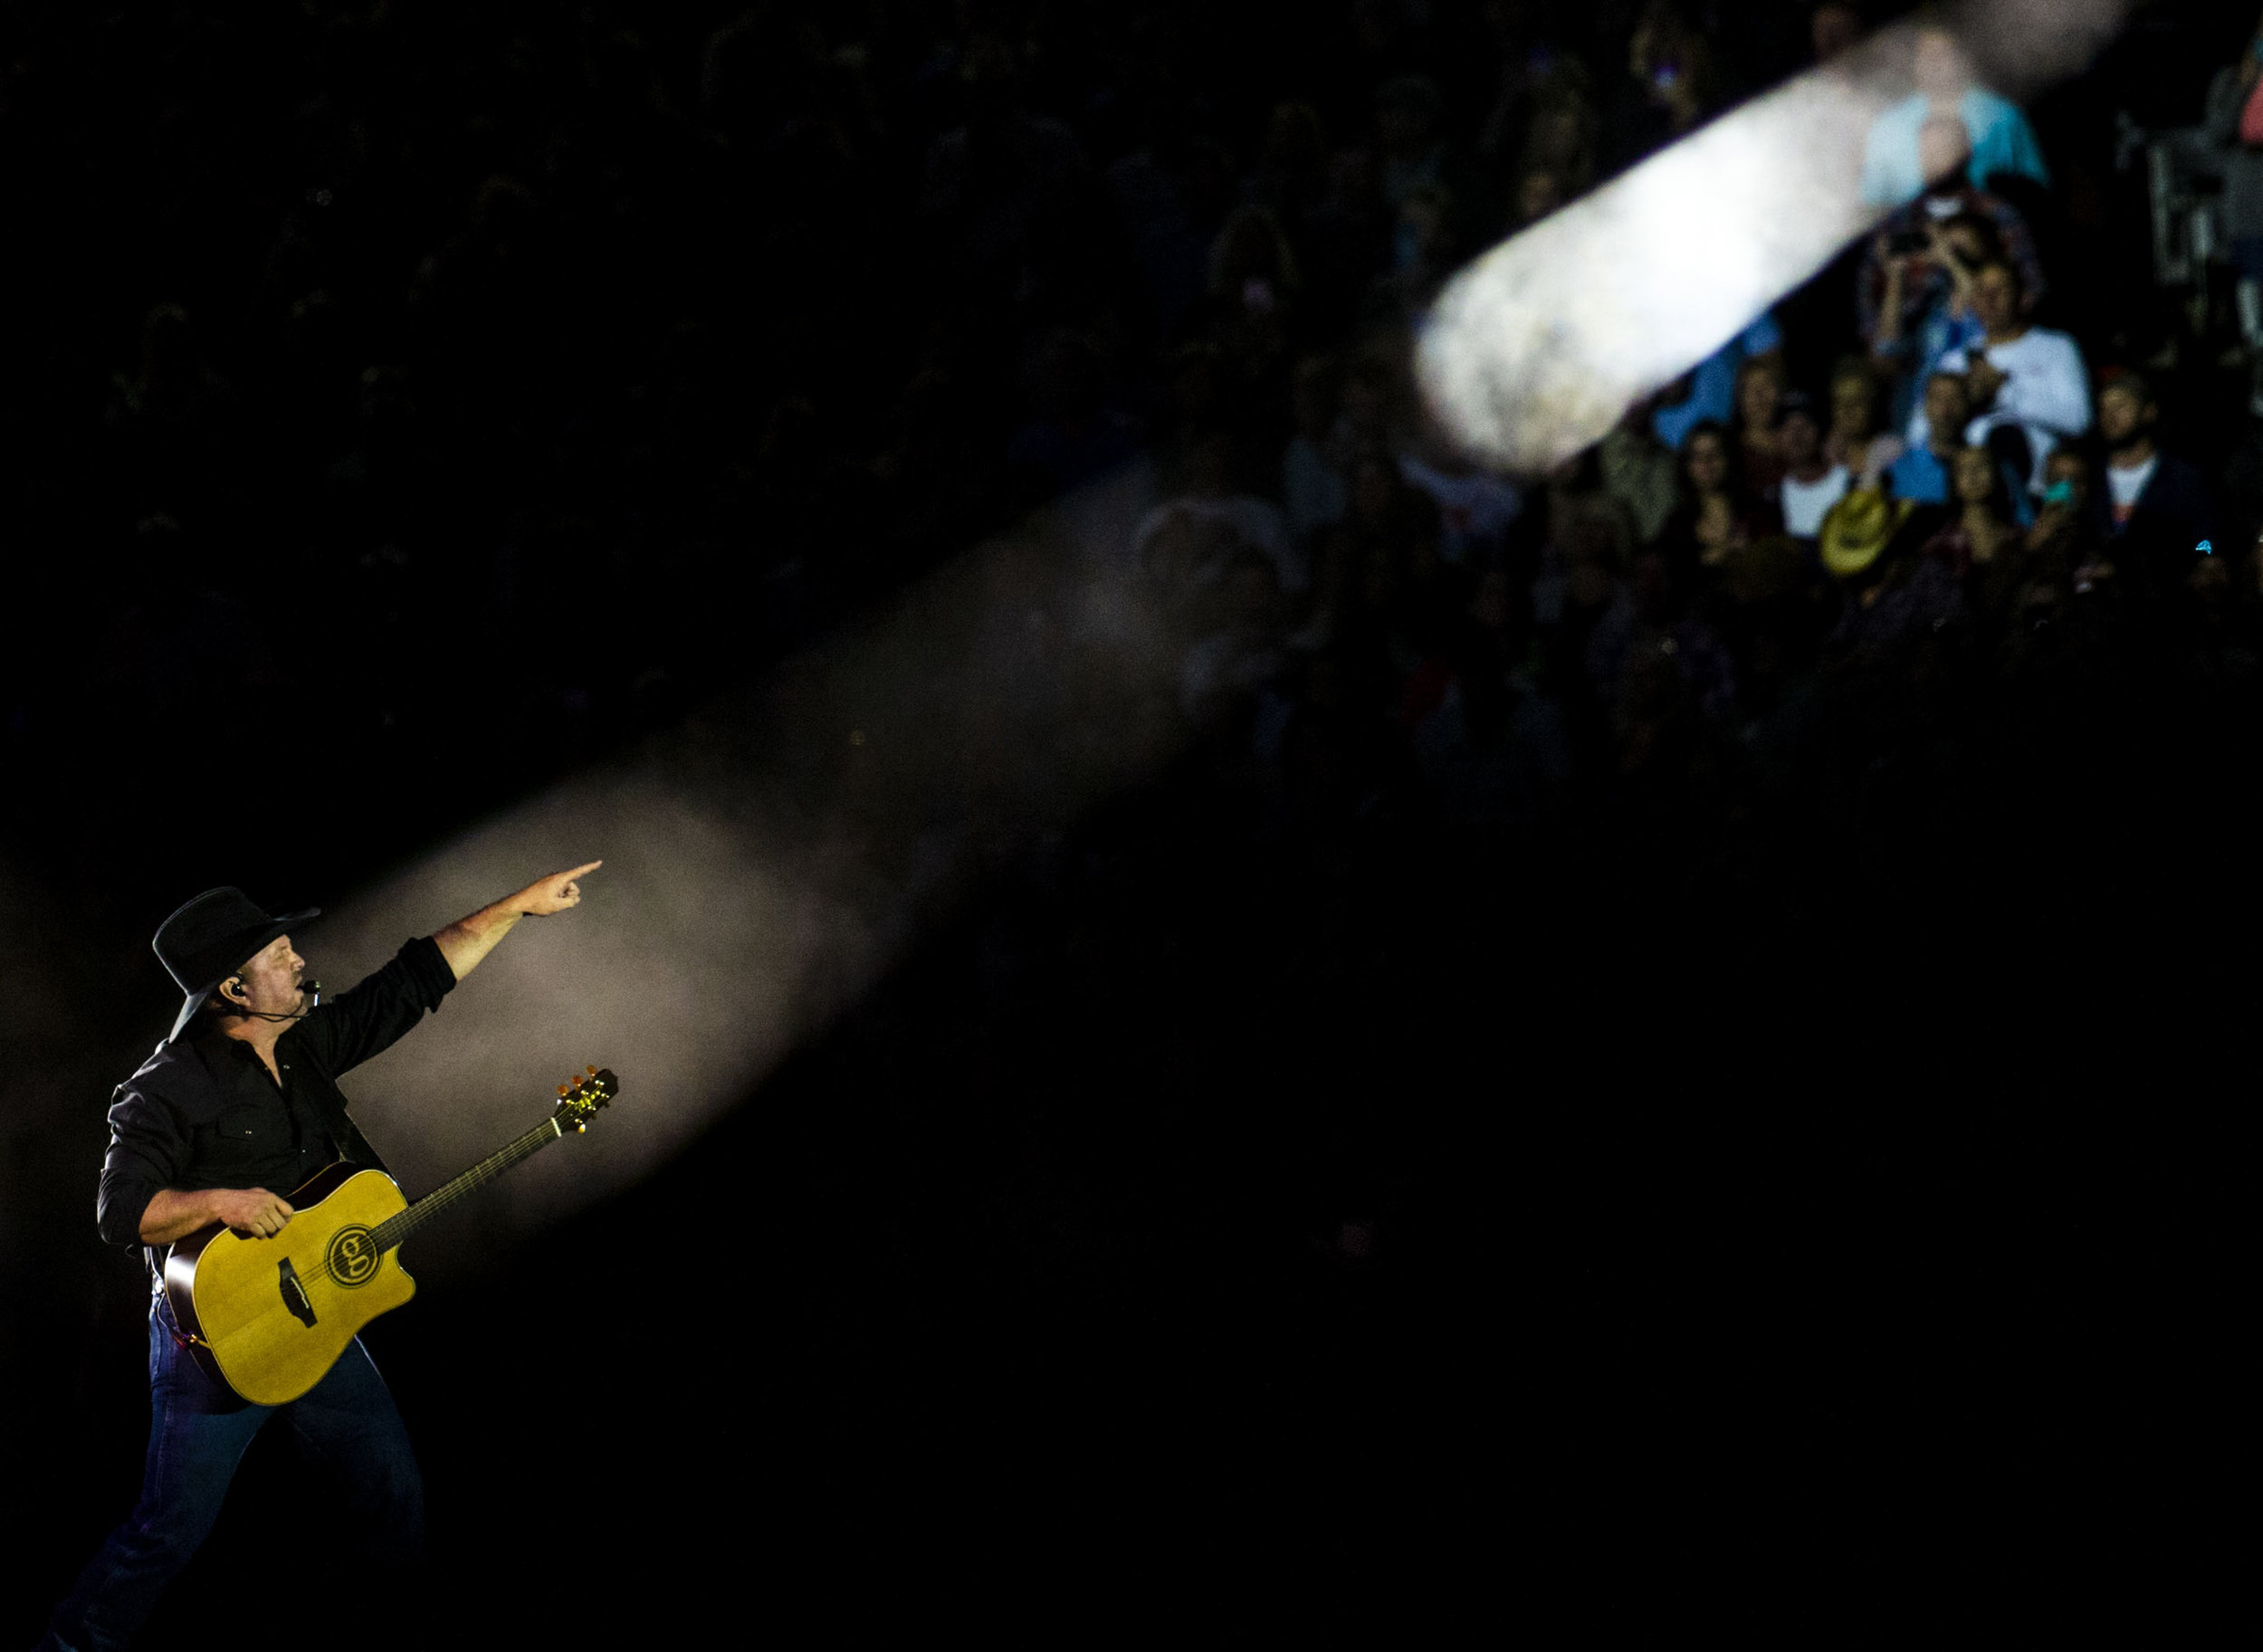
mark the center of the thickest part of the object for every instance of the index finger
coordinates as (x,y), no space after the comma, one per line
(578,871)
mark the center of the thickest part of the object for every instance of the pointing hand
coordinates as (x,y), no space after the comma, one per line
(555,893)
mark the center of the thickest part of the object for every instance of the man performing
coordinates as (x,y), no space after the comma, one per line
(240,1100)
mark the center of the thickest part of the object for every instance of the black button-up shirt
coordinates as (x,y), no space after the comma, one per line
(204,1112)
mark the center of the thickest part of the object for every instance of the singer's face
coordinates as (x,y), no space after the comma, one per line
(271,979)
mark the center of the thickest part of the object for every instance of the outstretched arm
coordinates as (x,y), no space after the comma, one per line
(468,939)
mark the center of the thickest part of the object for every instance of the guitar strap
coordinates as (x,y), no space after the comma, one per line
(352,1145)
(328,1106)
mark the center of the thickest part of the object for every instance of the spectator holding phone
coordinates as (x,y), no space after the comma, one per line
(1912,297)
(2030,390)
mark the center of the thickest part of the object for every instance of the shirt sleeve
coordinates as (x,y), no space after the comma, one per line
(2021,153)
(1889,154)
(2049,389)
(370,1016)
(148,1146)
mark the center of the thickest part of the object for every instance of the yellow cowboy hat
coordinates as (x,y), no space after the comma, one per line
(1859,527)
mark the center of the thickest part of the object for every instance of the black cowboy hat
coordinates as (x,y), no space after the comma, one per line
(212,937)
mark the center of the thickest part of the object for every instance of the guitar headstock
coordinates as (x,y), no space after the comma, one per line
(578,1098)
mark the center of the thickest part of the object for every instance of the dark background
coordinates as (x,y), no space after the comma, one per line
(1665,1206)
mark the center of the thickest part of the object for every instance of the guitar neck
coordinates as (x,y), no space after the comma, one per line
(389,1233)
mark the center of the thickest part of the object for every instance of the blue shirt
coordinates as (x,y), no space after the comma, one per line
(1942,330)
(2003,141)
(1713,385)
(1919,477)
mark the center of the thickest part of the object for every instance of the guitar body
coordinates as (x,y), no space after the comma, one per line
(269,1317)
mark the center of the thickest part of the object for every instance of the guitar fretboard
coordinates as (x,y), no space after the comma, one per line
(391,1232)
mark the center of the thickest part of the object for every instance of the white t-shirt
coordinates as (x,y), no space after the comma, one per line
(2127,486)
(1806,503)
(2045,391)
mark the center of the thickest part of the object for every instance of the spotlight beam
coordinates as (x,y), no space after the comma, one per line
(1535,351)
(764,864)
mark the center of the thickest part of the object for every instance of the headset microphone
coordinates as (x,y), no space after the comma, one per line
(313,990)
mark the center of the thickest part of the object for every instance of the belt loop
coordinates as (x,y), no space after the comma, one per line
(161,1307)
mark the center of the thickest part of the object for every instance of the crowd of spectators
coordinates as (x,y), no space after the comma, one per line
(1908,583)
(1907,475)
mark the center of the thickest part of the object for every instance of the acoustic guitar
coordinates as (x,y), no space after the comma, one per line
(269,1317)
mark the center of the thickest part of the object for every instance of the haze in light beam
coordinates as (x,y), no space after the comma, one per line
(763,865)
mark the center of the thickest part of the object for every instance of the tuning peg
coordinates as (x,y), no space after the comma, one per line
(593,1072)
(581,1130)
(563,1089)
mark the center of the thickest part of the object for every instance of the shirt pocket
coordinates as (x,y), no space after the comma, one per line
(243,1136)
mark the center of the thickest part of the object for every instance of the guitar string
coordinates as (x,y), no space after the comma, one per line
(505,1157)
(433,1203)
(428,1207)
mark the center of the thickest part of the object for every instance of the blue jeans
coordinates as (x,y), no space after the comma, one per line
(346,1423)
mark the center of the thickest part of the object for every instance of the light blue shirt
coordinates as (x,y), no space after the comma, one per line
(1943,331)
(2003,141)
(1919,477)
(1713,386)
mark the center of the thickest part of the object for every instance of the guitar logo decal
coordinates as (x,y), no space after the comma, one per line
(352,1260)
